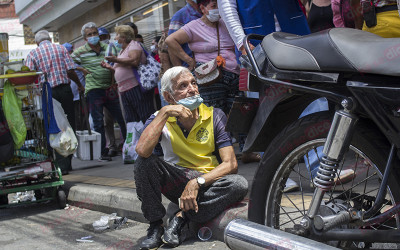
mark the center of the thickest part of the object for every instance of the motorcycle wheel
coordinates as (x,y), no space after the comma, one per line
(288,156)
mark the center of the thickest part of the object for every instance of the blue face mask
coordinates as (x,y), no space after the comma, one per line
(93,40)
(117,44)
(192,102)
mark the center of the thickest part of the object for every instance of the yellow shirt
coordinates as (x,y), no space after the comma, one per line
(196,150)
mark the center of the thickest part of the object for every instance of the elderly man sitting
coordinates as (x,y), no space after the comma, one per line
(193,138)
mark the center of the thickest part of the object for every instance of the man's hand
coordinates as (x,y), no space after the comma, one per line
(189,196)
(243,50)
(178,111)
(106,65)
(111,58)
(81,89)
(84,71)
(192,64)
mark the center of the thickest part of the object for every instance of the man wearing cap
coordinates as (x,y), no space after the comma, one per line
(55,61)
(98,84)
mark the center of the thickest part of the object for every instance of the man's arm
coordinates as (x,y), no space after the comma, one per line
(134,58)
(229,13)
(149,138)
(174,42)
(228,166)
(74,77)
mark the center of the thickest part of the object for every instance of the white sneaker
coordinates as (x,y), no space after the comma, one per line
(290,186)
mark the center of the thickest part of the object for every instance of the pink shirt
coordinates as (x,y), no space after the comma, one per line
(203,41)
(124,74)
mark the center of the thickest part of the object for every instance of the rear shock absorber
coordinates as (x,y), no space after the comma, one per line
(336,145)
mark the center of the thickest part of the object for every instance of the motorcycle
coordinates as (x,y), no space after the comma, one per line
(359,75)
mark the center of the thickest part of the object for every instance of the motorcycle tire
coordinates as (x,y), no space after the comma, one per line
(300,137)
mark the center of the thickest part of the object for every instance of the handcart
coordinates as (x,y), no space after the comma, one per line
(32,167)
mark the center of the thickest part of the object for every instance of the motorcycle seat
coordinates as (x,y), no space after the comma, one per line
(335,50)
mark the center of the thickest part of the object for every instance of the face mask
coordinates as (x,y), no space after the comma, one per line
(194,1)
(118,45)
(153,48)
(107,41)
(192,102)
(213,15)
(93,40)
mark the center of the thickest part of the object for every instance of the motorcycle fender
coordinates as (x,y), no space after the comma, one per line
(278,107)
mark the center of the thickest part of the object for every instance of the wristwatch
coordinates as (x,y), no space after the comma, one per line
(201,181)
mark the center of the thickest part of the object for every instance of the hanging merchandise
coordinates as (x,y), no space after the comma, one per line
(12,111)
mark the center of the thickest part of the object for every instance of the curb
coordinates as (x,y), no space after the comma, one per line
(125,202)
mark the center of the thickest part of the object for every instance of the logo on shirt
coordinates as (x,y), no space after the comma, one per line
(202,135)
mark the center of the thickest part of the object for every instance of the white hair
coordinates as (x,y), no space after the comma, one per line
(170,76)
(42,35)
(88,25)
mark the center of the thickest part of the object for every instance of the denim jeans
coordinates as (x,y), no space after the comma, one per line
(99,98)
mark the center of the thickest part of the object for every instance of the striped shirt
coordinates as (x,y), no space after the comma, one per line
(53,60)
(99,77)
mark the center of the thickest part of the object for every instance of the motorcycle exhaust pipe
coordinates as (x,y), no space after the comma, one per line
(242,234)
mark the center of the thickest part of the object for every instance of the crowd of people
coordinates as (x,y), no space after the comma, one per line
(199,167)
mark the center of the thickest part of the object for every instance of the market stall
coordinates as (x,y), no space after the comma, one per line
(30,165)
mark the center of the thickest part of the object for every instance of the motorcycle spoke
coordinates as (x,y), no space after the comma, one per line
(383,223)
(338,176)
(352,181)
(293,203)
(301,188)
(290,218)
(290,221)
(309,171)
(354,187)
(293,212)
(365,185)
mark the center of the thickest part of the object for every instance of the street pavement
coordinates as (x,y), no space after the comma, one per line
(109,187)
(44,226)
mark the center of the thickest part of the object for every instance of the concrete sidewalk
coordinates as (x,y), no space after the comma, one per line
(109,187)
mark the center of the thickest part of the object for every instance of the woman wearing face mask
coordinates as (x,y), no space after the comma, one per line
(202,36)
(138,106)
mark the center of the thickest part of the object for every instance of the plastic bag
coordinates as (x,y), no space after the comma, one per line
(133,132)
(65,142)
(12,111)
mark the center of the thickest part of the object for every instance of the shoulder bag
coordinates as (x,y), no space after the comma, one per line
(148,74)
(209,72)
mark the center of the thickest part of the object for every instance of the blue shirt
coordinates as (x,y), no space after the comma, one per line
(180,18)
